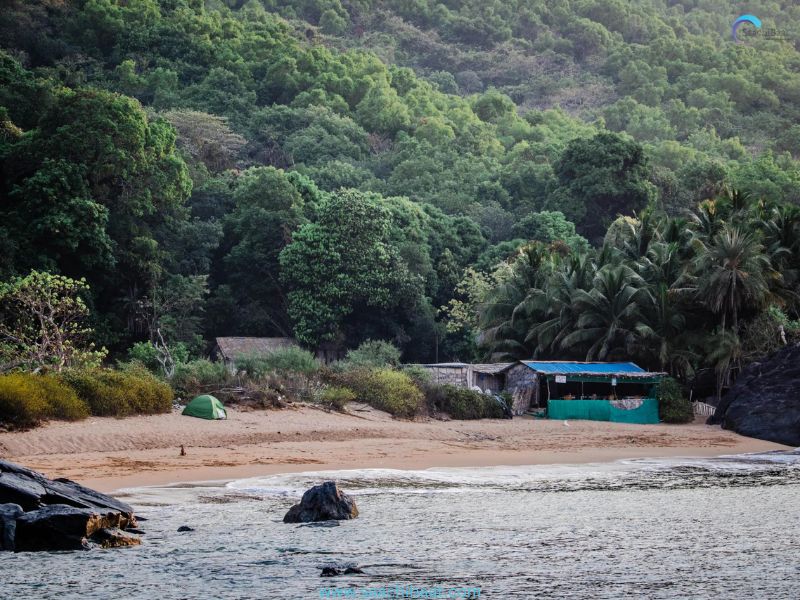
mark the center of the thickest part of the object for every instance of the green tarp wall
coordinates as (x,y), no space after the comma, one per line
(602,410)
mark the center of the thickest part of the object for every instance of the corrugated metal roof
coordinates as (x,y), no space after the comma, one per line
(584,368)
(452,365)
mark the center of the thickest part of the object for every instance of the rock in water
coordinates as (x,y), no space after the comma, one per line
(8,525)
(32,490)
(37,513)
(60,527)
(322,503)
(764,402)
(114,538)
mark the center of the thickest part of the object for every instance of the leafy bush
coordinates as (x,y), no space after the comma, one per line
(22,401)
(285,360)
(146,354)
(372,354)
(673,406)
(384,389)
(63,402)
(120,393)
(463,403)
(198,376)
(336,397)
(26,399)
(419,375)
(292,360)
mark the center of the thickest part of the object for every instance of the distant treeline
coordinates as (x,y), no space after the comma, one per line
(213,168)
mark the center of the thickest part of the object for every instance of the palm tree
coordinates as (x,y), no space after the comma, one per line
(555,307)
(733,274)
(662,331)
(609,313)
(506,317)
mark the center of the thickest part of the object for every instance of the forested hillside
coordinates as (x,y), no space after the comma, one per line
(340,171)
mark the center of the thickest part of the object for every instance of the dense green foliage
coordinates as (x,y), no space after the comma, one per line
(673,406)
(372,354)
(675,294)
(350,171)
(463,403)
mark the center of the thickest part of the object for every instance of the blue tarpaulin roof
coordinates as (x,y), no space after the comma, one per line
(584,368)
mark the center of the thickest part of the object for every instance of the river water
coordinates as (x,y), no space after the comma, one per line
(680,528)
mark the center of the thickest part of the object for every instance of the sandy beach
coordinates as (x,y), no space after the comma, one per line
(109,454)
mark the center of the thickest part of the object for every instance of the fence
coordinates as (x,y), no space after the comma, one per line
(702,409)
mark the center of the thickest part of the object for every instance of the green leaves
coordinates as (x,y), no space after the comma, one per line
(43,324)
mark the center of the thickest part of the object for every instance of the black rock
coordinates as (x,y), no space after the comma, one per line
(8,525)
(764,402)
(42,514)
(183,528)
(114,538)
(322,503)
(353,571)
(330,572)
(32,490)
(61,527)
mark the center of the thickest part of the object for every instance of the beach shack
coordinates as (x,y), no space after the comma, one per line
(489,377)
(622,392)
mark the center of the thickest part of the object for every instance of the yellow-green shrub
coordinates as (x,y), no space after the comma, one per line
(22,400)
(26,399)
(120,393)
(63,402)
(385,389)
(336,397)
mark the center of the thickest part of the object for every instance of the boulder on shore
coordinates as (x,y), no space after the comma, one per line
(764,402)
(37,513)
(8,524)
(324,502)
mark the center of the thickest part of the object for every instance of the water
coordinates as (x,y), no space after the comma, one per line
(710,528)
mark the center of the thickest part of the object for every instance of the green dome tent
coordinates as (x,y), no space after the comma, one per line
(205,407)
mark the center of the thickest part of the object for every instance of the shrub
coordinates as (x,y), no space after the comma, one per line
(336,397)
(673,406)
(419,375)
(146,354)
(198,376)
(63,402)
(372,354)
(285,360)
(22,401)
(463,403)
(384,389)
(291,360)
(26,399)
(120,393)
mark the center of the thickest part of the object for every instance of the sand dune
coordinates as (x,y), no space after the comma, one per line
(109,453)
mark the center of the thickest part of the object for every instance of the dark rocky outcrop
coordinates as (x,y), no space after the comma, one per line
(114,538)
(764,402)
(322,503)
(37,513)
(8,524)
(184,528)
